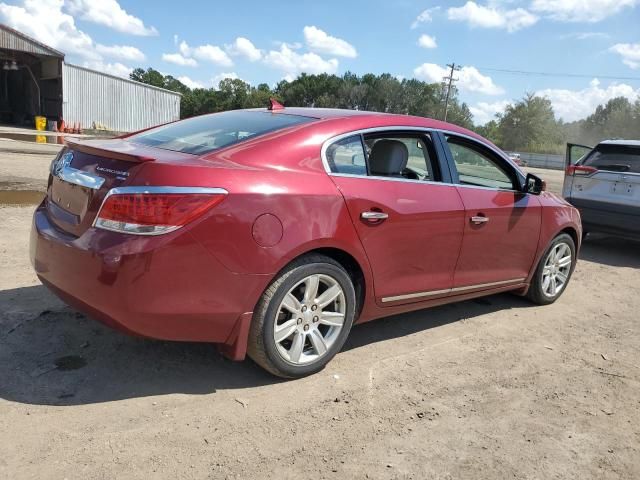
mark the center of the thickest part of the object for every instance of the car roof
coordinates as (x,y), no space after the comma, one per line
(374,119)
(630,143)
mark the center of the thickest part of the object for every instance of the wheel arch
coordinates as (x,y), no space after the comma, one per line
(351,265)
(573,233)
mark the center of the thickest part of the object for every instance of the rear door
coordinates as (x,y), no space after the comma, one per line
(502,223)
(605,187)
(409,222)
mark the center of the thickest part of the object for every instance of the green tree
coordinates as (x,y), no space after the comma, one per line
(528,125)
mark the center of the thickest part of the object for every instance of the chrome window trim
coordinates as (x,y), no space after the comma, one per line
(153,189)
(395,128)
(431,293)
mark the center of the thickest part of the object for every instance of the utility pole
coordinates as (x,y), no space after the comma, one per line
(449,81)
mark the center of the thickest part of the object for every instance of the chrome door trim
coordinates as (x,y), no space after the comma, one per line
(485,285)
(432,293)
(408,296)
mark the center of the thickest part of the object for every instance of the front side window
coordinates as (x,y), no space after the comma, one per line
(476,167)
(200,135)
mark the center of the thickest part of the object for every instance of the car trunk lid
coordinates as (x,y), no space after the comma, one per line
(85,171)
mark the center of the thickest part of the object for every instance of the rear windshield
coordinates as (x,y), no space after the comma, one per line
(615,158)
(204,134)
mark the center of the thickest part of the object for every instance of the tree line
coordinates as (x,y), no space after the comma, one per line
(527,125)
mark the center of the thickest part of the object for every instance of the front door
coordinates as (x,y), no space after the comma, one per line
(502,223)
(409,222)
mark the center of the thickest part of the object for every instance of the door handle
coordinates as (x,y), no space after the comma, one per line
(371,216)
(479,220)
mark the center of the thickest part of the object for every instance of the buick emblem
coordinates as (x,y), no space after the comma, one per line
(63,163)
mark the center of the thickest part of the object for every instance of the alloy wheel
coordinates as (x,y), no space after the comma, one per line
(309,319)
(556,270)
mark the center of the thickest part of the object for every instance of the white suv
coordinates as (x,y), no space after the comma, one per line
(604,184)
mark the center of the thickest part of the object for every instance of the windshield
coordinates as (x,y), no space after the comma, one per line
(200,135)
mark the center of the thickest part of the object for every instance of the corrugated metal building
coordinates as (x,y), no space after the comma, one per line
(35,80)
(91,97)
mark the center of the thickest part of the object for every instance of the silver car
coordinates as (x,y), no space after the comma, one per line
(603,183)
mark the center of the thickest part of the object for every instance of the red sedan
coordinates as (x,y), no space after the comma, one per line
(271,232)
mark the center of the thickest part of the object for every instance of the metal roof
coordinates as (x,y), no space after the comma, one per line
(626,143)
(123,79)
(11,39)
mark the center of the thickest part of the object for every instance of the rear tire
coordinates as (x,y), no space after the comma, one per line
(303,318)
(554,271)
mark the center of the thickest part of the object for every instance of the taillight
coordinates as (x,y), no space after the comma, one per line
(580,170)
(155,210)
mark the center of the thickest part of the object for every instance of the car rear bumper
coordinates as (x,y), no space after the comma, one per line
(166,287)
(623,220)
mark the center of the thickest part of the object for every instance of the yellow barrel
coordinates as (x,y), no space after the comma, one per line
(41,123)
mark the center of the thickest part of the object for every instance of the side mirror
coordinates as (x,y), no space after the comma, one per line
(534,184)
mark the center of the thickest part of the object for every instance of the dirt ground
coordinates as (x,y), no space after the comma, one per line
(493,388)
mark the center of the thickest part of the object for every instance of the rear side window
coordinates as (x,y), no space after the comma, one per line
(615,158)
(200,135)
(420,156)
(347,156)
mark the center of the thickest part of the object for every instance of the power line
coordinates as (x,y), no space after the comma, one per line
(557,74)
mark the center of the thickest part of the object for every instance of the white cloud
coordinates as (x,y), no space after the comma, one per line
(581,10)
(207,53)
(586,35)
(426,41)
(213,54)
(469,78)
(319,41)
(492,17)
(292,63)
(110,14)
(484,112)
(573,105)
(123,52)
(243,47)
(186,55)
(184,48)
(179,59)
(215,81)
(190,83)
(630,53)
(116,69)
(426,16)
(45,21)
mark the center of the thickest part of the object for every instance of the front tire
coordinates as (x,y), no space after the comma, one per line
(303,318)
(554,271)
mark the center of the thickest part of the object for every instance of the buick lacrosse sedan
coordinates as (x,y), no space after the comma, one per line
(271,232)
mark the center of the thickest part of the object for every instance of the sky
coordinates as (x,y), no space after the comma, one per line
(578,53)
